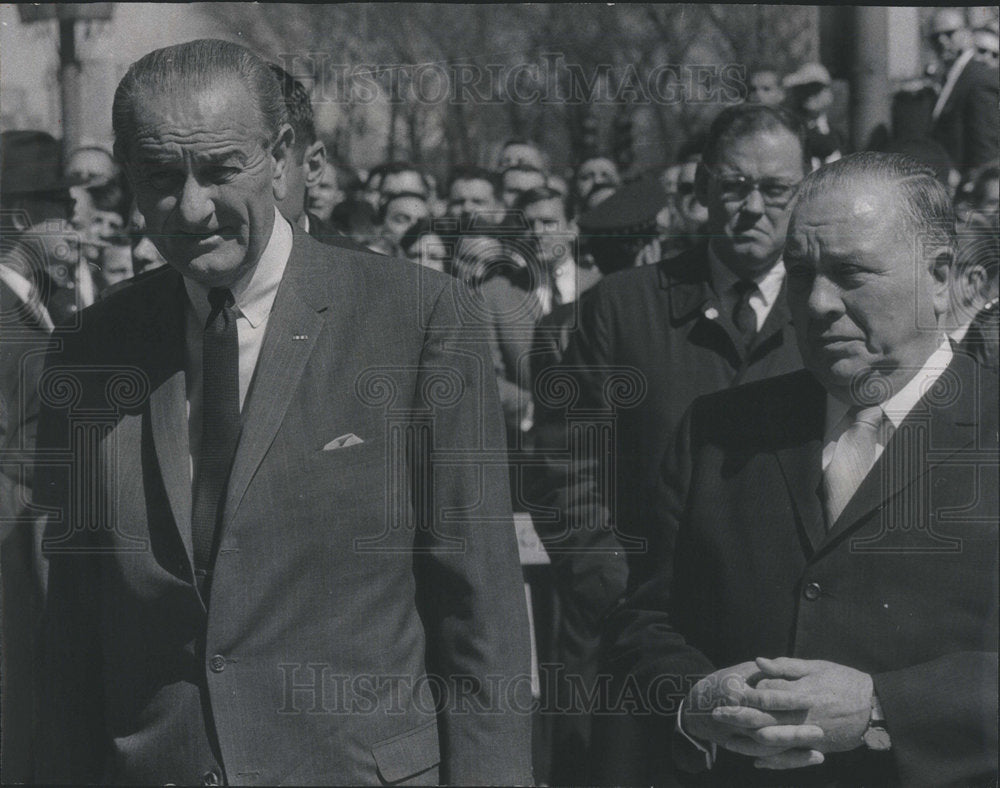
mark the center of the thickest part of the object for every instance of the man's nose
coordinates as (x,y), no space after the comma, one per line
(824,298)
(754,202)
(195,206)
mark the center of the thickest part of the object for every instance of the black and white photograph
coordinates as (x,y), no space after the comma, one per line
(570,394)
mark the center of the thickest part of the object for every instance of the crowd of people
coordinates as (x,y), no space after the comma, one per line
(748,399)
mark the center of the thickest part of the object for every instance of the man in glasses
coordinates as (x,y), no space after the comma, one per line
(650,340)
(965,118)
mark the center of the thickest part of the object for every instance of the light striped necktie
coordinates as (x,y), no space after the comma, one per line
(853,457)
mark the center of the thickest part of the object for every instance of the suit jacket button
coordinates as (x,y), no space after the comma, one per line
(812,591)
(211,777)
(216,664)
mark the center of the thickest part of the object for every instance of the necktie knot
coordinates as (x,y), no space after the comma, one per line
(220,298)
(745,287)
(868,417)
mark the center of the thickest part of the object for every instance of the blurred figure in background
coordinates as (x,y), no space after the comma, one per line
(145,255)
(810,95)
(966,116)
(979,192)
(972,317)
(521,153)
(519,179)
(398,213)
(595,180)
(308,154)
(422,244)
(337,183)
(474,197)
(764,87)
(987,46)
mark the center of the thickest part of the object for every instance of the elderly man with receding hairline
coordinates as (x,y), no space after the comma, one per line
(274,556)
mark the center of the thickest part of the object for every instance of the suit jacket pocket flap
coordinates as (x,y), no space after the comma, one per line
(407,754)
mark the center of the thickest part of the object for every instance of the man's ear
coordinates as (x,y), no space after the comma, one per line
(941,270)
(281,152)
(314,160)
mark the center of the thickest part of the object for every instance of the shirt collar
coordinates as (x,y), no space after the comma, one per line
(768,283)
(899,405)
(254,292)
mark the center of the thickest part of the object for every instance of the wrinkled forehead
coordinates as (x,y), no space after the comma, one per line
(224,107)
(846,215)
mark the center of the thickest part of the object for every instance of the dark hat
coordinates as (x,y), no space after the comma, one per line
(30,163)
(634,205)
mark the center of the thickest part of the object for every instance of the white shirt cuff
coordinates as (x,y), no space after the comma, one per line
(708,752)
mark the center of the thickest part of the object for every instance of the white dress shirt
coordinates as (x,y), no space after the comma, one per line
(254,296)
(761,300)
(896,408)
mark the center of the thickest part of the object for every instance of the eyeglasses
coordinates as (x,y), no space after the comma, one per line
(736,188)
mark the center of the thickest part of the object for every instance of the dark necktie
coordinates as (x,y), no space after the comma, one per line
(744,318)
(220,427)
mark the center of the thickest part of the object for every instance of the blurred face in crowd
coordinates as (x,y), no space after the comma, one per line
(323,196)
(765,88)
(987,44)
(91,166)
(206,178)
(550,226)
(948,34)
(986,196)
(520,154)
(596,180)
(145,255)
(861,302)
(471,197)
(372,193)
(116,264)
(401,214)
(692,210)
(748,191)
(305,167)
(406,181)
(431,251)
(516,182)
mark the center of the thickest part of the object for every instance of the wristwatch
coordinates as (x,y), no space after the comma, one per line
(876,736)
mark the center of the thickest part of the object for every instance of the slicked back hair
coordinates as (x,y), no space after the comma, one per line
(924,203)
(743,120)
(186,69)
(299,108)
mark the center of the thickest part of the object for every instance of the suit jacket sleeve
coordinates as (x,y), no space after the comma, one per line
(469,583)
(981,121)
(71,745)
(646,656)
(942,718)
(585,551)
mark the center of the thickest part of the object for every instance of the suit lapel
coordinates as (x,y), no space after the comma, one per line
(801,464)
(927,428)
(168,408)
(294,324)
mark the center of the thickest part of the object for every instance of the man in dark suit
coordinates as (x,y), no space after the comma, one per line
(280,547)
(826,598)
(650,340)
(966,116)
(309,164)
(24,336)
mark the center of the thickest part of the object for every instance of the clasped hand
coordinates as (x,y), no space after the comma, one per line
(786,713)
